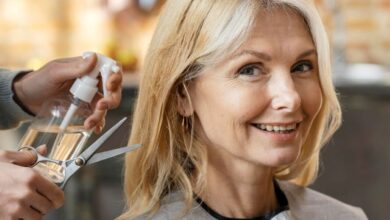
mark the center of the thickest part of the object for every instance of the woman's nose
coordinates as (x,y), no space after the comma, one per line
(285,96)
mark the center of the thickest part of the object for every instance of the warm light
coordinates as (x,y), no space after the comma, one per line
(35,63)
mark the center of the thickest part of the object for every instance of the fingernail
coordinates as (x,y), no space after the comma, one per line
(87,54)
(115,69)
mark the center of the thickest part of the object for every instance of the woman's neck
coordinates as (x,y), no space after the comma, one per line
(239,189)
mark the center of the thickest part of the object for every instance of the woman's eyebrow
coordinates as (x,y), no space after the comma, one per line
(255,53)
(267,57)
(307,53)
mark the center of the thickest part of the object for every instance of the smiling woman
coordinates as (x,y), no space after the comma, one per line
(235,103)
(272,83)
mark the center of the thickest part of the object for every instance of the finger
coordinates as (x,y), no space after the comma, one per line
(99,112)
(24,211)
(30,214)
(67,59)
(96,119)
(114,87)
(112,101)
(42,149)
(71,68)
(40,203)
(98,129)
(50,191)
(100,103)
(114,82)
(35,200)
(115,99)
(96,99)
(21,158)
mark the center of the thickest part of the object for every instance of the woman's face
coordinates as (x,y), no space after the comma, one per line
(258,105)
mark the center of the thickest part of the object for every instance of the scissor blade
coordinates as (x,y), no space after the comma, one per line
(98,143)
(111,153)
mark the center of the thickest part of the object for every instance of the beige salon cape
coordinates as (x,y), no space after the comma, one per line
(304,204)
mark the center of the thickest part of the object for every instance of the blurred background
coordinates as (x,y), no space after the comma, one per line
(355,163)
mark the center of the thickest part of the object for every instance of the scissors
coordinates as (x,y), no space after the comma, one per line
(87,157)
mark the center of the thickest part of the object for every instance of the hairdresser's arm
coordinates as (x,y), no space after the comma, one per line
(56,77)
(24,193)
(10,112)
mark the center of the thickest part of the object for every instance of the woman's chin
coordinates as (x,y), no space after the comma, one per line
(278,158)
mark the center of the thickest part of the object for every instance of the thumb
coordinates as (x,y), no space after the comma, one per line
(27,156)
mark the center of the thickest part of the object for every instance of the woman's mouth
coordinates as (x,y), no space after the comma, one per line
(281,129)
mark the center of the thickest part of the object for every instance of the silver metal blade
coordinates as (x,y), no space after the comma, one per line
(86,155)
(111,153)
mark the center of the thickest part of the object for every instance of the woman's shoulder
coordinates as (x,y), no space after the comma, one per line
(306,203)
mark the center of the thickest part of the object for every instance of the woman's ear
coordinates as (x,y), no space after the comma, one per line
(184,106)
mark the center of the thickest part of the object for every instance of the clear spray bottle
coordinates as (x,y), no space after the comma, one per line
(60,123)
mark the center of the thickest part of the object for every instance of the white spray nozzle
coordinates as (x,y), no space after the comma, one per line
(85,88)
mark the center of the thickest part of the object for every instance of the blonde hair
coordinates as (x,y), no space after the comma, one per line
(190,35)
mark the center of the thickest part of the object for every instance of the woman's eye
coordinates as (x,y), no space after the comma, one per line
(302,67)
(250,70)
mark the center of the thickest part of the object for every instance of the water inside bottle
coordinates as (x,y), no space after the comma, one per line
(61,145)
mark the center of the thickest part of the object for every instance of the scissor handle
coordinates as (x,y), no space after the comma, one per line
(40,158)
(71,166)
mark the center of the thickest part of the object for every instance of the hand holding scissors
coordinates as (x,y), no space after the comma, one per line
(89,156)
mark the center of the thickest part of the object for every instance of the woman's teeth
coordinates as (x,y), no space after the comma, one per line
(277,128)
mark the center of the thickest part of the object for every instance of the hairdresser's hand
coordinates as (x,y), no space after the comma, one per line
(57,77)
(24,193)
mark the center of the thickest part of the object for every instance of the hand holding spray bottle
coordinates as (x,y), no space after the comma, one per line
(59,124)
